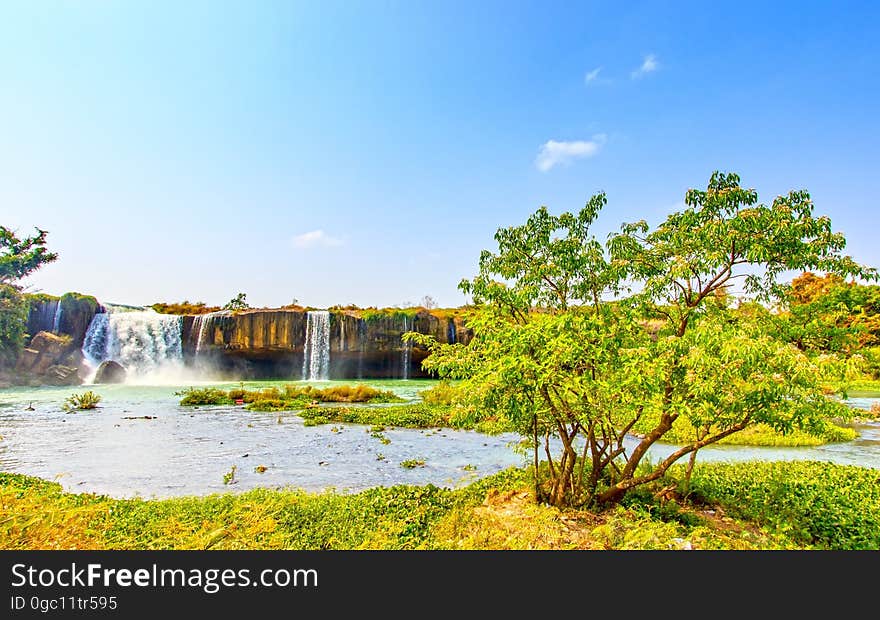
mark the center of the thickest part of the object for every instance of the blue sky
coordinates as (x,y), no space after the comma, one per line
(365,152)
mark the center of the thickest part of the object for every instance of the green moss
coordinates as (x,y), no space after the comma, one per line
(74,297)
(40,298)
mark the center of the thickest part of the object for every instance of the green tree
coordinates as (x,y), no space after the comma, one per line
(239,302)
(21,257)
(828,314)
(13,323)
(18,258)
(575,360)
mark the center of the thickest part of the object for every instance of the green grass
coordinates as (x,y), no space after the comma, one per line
(754,506)
(867,386)
(443,393)
(758,435)
(36,514)
(822,504)
(418,415)
(288,398)
(203,396)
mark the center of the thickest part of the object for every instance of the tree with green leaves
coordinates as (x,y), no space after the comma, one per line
(578,343)
(828,314)
(13,323)
(18,259)
(239,302)
(21,257)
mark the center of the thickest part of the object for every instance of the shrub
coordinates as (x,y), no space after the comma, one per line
(184,307)
(289,398)
(444,393)
(274,404)
(203,396)
(412,463)
(80,402)
(823,504)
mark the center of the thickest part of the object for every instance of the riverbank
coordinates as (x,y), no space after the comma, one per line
(437,408)
(805,505)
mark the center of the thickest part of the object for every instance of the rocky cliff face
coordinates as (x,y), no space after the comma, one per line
(50,360)
(69,314)
(270,343)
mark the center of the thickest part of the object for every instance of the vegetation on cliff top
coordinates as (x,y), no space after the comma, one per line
(184,307)
(731,506)
(38,298)
(372,313)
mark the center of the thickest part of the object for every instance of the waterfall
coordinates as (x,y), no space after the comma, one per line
(41,316)
(405,354)
(361,337)
(56,320)
(316,353)
(342,332)
(145,342)
(201,324)
(197,328)
(451,335)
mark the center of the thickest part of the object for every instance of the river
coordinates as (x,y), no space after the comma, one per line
(140,442)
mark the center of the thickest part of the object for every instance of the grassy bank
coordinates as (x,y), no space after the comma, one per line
(442,406)
(418,415)
(745,506)
(758,435)
(288,398)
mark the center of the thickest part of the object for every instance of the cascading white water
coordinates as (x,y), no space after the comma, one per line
(146,343)
(198,327)
(201,324)
(342,332)
(316,354)
(405,354)
(361,337)
(56,320)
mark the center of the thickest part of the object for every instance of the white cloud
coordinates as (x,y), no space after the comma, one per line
(315,238)
(592,75)
(649,65)
(553,152)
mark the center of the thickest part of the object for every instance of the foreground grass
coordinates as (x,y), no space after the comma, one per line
(831,506)
(738,506)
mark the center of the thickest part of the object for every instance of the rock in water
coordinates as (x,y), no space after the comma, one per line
(110,372)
